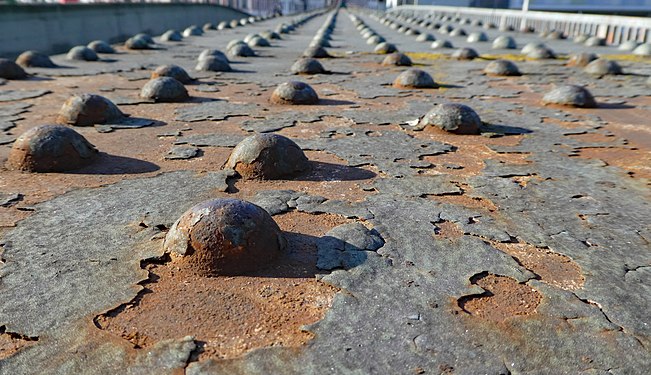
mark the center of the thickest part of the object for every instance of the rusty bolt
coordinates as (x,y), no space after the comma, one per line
(294,92)
(50,148)
(268,157)
(454,118)
(414,78)
(164,89)
(35,59)
(88,110)
(502,68)
(173,71)
(224,237)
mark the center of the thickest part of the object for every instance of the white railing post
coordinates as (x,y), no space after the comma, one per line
(525,9)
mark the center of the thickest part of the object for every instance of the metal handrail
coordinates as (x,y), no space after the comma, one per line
(615,29)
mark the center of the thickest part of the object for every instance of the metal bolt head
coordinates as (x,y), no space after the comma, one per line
(267,157)
(224,237)
(570,95)
(454,118)
(164,89)
(50,148)
(88,110)
(294,92)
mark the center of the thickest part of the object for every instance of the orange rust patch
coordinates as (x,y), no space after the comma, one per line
(11,343)
(10,216)
(504,298)
(637,135)
(466,200)
(230,316)
(448,230)
(513,158)
(458,163)
(435,133)
(553,268)
(472,151)
(636,162)
(310,224)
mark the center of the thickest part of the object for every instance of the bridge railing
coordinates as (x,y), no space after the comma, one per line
(615,29)
(253,7)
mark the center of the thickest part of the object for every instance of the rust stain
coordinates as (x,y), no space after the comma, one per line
(553,268)
(593,137)
(466,199)
(448,230)
(229,316)
(504,298)
(635,161)
(11,343)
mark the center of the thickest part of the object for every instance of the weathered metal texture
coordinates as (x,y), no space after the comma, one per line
(307,66)
(173,71)
(50,148)
(171,36)
(82,53)
(524,181)
(258,41)
(213,52)
(465,53)
(78,291)
(346,246)
(100,46)
(441,43)
(570,95)
(452,117)
(316,52)
(397,59)
(224,237)
(193,30)
(267,157)
(213,63)
(385,48)
(475,37)
(502,68)
(294,92)
(138,42)
(34,59)
(602,67)
(581,59)
(88,110)
(414,78)
(241,50)
(164,89)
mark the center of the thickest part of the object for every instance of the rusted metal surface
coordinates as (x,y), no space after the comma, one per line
(519,248)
